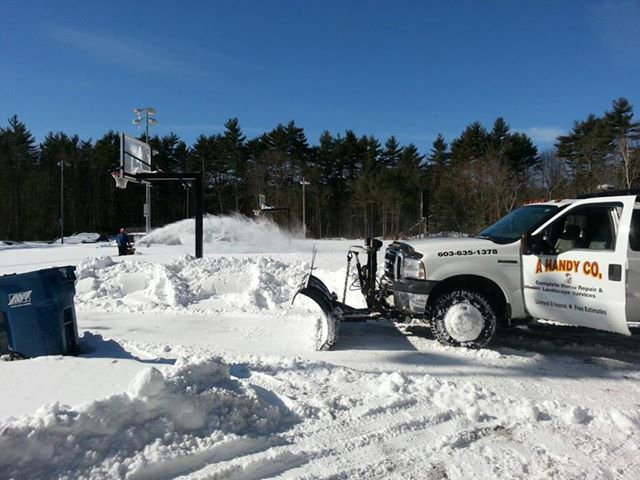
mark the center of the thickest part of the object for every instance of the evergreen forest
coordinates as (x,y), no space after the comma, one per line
(358,185)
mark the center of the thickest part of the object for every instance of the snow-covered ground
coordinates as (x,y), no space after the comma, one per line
(201,369)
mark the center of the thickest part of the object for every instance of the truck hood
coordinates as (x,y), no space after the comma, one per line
(437,244)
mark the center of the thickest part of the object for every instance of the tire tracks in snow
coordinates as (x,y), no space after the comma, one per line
(354,424)
(351,446)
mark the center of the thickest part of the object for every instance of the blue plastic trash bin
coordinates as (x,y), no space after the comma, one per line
(37,313)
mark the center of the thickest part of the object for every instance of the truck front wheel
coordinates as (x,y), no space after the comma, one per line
(463,318)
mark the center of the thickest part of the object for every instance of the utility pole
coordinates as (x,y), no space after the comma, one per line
(62,202)
(61,219)
(148,113)
(304,183)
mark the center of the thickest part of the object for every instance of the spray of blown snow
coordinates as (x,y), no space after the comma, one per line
(225,233)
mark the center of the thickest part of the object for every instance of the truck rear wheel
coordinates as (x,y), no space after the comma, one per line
(463,318)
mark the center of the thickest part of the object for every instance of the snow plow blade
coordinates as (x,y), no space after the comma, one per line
(327,328)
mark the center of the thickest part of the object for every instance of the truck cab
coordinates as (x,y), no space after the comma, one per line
(573,261)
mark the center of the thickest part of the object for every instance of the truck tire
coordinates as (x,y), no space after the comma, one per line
(463,318)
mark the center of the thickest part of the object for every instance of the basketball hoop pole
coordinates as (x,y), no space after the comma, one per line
(195,180)
(197,192)
(147,211)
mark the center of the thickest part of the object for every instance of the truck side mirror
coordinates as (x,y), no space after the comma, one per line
(525,244)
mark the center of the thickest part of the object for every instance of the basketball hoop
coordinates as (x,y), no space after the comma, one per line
(121,182)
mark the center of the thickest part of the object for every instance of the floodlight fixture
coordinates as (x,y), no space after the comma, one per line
(151,110)
(137,111)
(136,121)
(153,121)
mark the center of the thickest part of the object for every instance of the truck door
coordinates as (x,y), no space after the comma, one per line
(580,276)
(633,272)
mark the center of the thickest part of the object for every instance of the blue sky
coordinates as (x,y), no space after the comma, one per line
(407,68)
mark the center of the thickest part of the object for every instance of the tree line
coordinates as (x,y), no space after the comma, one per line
(358,185)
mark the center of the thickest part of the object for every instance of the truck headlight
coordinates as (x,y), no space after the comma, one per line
(412,268)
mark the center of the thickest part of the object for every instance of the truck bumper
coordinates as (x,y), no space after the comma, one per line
(411,295)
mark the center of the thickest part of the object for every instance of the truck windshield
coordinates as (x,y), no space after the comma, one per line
(518,222)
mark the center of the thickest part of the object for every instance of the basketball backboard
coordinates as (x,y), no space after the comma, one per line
(135,157)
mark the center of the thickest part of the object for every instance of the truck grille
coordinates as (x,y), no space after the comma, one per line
(393,259)
(390,257)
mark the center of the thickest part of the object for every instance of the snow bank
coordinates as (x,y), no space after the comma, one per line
(191,407)
(235,233)
(81,237)
(208,285)
(215,287)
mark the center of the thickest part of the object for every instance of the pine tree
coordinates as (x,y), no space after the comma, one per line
(438,159)
(586,150)
(18,156)
(391,153)
(203,156)
(366,184)
(297,149)
(372,161)
(350,154)
(325,158)
(330,184)
(170,200)
(499,134)
(56,152)
(235,156)
(471,145)
(436,171)
(520,153)
(624,134)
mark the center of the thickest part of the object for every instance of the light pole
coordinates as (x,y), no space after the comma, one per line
(62,164)
(145,114)
(304,183)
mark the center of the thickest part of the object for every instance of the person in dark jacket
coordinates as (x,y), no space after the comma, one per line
(122,242)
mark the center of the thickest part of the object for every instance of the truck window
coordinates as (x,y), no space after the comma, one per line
(588,227)
(518,222)
(634,231)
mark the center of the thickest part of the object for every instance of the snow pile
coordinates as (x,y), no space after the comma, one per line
(195,406)
(9,242)
(81,237)
(235,233)
(209,285)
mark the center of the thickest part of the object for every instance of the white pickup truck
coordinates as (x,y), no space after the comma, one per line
(574,261)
